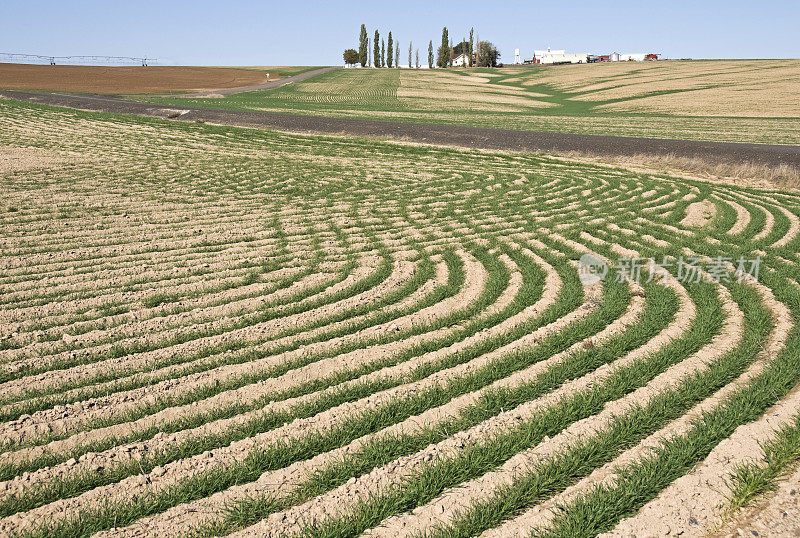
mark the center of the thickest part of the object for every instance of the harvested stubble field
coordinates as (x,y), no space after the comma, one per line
(209,331)
(720,100)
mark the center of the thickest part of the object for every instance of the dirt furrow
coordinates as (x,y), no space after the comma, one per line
(76,325)
(769,222)
(742,216)
(401,273)
(792,232)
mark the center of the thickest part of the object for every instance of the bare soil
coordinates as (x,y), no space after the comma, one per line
(125,80)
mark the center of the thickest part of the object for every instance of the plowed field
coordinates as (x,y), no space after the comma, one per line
(210,330)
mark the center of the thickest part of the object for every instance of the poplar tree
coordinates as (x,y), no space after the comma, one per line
(450,53)
(363,44)
(397,54)
(409,54)
(430,54)
(383,53)
(417,63)
(443,58)
(390,46)
(376,49)
(471,49)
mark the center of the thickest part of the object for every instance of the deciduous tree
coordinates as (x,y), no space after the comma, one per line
(397,54)
(461,48)
(351,57)
(488,54)
(390,46)
(383,53)
(409,54)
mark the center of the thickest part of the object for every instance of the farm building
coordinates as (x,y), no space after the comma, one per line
(559,57)
(461,60)
(562,57)
(628,57)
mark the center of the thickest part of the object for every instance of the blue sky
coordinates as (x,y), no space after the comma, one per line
(232,32)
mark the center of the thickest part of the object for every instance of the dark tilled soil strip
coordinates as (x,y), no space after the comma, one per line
(453,135)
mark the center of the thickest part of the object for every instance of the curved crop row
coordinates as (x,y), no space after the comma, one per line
(214,331)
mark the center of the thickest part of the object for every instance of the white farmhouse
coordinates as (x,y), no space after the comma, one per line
(461,60)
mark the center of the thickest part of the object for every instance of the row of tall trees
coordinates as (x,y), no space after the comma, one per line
(478,53)
(384,53)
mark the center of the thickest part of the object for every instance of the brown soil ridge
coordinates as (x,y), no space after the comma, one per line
(217,316)
(54,377)
(699,214)
(777,515)
(212,317)
(742,215)
(251,393)
(192,300)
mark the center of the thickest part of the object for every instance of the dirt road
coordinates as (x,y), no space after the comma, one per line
(269,85)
